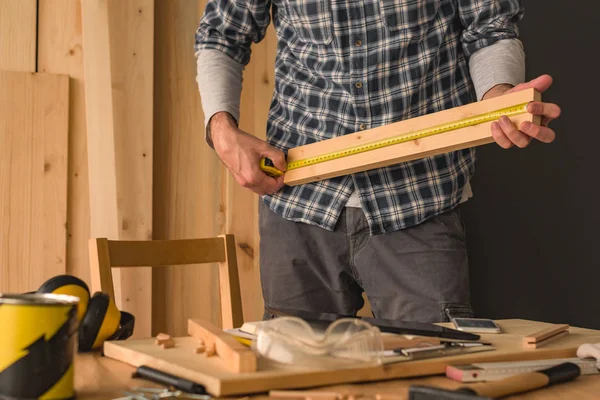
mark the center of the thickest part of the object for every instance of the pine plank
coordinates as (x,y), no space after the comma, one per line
(60,51)
(18,20)
(33,178)
(187,192)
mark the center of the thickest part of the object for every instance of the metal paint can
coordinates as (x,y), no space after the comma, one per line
(38,343)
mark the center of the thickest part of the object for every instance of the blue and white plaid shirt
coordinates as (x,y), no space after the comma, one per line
(346,66)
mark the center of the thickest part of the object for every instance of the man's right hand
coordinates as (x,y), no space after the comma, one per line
(241,153)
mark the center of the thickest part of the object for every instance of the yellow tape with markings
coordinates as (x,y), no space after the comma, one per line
(267,166)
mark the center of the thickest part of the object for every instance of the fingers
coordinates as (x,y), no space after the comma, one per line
(541,84)
(548,111)
(500,137)
(512,133)
(276,156)
(541,133)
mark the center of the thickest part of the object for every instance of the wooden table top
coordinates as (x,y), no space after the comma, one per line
(99,377)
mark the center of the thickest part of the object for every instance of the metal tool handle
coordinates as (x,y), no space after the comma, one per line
(157,376)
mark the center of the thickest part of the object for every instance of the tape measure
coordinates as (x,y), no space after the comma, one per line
(267,166)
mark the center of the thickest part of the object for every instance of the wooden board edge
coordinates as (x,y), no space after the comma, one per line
(113,350)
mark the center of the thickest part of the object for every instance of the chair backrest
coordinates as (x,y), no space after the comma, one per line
(107,254)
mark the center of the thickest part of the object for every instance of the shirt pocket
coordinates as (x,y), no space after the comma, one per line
(411,18)
(311,20)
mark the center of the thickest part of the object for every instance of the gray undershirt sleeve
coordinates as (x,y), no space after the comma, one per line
(502,62)
(219,79)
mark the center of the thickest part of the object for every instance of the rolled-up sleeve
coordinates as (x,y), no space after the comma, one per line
(488,21)
(231,26)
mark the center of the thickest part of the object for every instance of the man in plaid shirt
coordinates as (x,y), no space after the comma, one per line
(394,233)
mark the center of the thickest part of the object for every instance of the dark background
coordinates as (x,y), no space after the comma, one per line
(533,222)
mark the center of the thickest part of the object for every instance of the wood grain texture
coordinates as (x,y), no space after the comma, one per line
(242,204)
(118,64)
(438,144)
(131,31)
(33,178)
(221,382)
(103,378)
(60,51)
(18,24)
(187,192)
(235,356)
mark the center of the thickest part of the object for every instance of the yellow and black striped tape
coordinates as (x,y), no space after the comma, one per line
(37,346)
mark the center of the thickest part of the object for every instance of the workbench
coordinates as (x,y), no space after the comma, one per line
(100,378)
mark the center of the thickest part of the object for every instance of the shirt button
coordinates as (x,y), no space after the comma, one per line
(358,43)
(358,85)
(363,127)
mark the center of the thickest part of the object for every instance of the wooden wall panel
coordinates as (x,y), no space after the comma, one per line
(33,178)
(118,53)
(131,25)
(242,204)
(18,35)
(187,193)
(60,51)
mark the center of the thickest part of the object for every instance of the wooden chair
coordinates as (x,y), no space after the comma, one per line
(108,254)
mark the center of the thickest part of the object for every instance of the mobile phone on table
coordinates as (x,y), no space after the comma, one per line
(479,325)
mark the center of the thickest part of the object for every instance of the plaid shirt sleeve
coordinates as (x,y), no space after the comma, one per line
(231,26)
(488,21)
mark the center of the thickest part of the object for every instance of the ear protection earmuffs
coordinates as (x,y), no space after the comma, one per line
(98,316)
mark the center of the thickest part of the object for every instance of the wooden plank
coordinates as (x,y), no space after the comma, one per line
(60,51)
(219,381)
(164,252)
(118,59)
(131,29)
(242,204)
(428,146)
(33,178)
(235,356)
(187,190)
(18,24)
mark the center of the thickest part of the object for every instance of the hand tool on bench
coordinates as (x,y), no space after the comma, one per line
(497,389)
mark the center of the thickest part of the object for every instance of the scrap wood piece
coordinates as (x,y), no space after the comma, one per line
(161,338)
(305,394)
(236,356)
(167,344)
(544,336)
(458,139)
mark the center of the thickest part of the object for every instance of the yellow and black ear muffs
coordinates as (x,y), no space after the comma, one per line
(99,318)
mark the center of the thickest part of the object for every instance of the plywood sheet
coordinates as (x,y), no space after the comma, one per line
(18,35)
(210,372)
(33,178)
(60,51)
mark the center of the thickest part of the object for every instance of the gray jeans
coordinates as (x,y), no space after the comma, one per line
(410,275)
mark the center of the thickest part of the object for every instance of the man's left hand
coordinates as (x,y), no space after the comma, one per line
(504,131)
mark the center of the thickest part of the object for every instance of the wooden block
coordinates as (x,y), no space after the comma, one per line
(416,149)
(167,344)
(544,336)
(236,356)
(34,117)
(199,349)
(162,338)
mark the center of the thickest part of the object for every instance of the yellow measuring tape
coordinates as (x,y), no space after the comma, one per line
(269,168)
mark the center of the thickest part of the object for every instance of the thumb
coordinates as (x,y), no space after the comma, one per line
(276,156)
(541,84)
